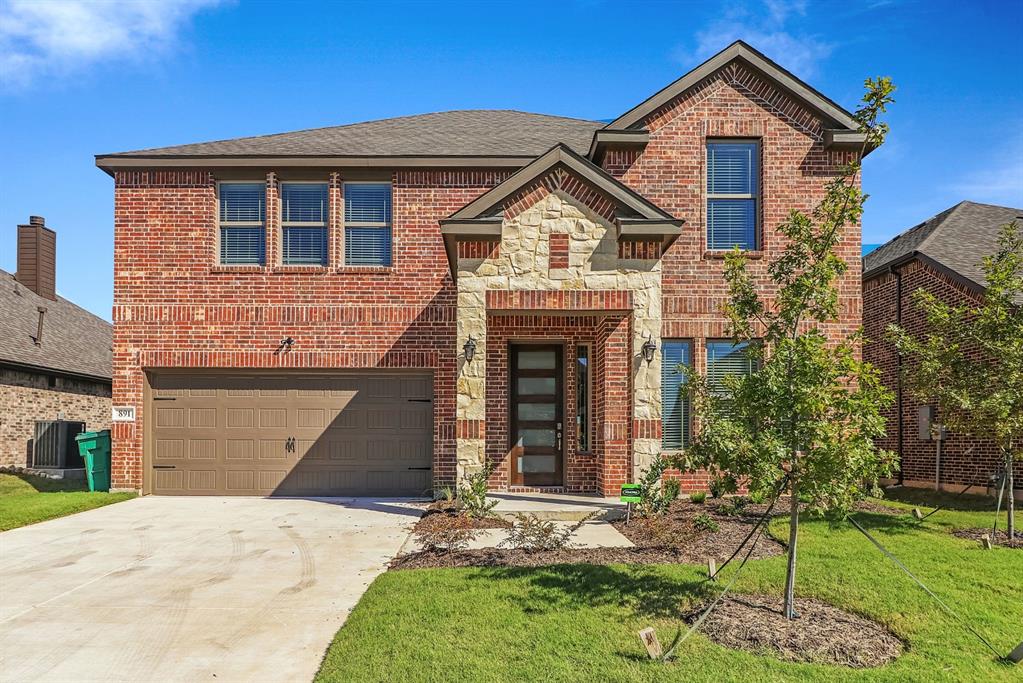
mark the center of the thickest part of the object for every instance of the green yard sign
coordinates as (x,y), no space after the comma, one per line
(631,493)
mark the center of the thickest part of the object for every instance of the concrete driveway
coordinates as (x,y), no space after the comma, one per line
(189,589)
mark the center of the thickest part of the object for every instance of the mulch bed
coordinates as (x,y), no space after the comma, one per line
(435,520)
(1000,539)
(822,634)
(676,531)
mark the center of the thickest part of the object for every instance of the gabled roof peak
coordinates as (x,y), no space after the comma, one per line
(832,114)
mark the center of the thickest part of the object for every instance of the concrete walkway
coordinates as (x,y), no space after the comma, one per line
(189,589)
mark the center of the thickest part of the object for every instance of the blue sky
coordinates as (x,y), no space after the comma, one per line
(77,79)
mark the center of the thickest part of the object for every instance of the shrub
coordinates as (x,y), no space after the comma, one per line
(444,493)
(722,486)
(657,494)
(705,523)
(734,506)
(454,534)
(698,497)
(531,533)
(758,497)
(472,492)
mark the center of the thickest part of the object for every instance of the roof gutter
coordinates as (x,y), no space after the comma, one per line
(42,370)
(119,162)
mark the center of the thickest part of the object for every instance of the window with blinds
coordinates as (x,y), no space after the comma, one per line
(367,224)
(304,224)
(242,216)
(733,180)
(675,355)
(725,358)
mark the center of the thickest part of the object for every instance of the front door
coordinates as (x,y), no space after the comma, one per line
(537,424)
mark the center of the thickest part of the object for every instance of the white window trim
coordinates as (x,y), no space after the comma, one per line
(365,224)
(235,224)
(708,196)
(281,224)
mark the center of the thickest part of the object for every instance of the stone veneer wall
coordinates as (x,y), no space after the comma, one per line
(523,263)
(27,396)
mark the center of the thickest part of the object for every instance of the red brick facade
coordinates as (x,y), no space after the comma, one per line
(887,300)
(174,308)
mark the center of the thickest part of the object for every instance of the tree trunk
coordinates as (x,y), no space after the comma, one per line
(790,575)
(1010,508)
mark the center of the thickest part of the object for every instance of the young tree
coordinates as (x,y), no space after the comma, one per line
(970,359)
(809,413)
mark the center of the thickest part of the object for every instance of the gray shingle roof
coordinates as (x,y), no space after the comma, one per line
(74,340)
(476,132)
(958,238)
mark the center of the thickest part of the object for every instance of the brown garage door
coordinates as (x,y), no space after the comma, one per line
(297,435)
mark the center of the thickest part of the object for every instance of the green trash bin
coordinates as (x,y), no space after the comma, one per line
(95,450)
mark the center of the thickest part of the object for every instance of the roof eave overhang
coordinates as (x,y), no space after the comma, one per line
(665,232)
(118,162)
(846,141)
(895,264)
(604,139)
(476,229)
(44,370)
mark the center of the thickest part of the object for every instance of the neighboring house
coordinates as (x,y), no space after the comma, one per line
(943,256)
(376,308)
(55,357)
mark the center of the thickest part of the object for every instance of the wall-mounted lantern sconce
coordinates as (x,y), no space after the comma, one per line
(285,345)
(469,349)
(648,350)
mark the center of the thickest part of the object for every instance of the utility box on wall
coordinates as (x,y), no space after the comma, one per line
(55,446)
(925,418)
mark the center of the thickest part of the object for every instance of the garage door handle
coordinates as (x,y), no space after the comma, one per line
(420,400)
(420,468)
(164,467)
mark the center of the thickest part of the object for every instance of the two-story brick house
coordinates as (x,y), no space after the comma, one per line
(377,308)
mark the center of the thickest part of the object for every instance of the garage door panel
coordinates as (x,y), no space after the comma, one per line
(343,434)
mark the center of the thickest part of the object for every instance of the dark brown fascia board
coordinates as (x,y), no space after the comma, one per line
(831,111)
(42,370)
(604,138)
(923,258)
(481,229)
(640,230)
(560,154)
(110,163)
(851,140)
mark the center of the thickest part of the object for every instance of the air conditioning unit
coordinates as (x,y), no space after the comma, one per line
(55,446)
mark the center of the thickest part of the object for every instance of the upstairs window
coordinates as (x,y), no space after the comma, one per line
(725,358)
(733,186)
(676,355)
(242,231)
(367,224)
(304,224)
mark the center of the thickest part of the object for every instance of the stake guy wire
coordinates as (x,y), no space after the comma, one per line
(948,610)
(758,530)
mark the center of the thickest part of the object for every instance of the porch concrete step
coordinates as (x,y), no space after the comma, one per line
(557,507)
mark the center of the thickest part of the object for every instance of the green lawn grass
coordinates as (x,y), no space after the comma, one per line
(26,499)
(579,622)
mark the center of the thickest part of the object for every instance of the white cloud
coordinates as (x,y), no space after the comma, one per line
(768,31)
(46,38)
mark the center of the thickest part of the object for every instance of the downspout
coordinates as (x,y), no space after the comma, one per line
(898,371)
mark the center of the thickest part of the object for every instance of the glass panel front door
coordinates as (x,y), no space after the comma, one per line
(536,406)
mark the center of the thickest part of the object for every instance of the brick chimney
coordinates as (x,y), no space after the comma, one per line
(37,258)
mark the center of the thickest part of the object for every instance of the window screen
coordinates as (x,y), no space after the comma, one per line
(304,224)
(675,355)
(732,192)
(242,216)
(367,224)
